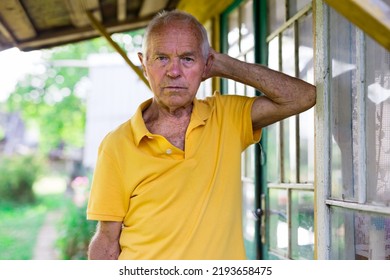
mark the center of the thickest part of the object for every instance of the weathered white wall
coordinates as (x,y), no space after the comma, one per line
(116,91)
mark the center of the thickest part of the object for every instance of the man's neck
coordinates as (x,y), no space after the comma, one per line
(159,112)
(172,124)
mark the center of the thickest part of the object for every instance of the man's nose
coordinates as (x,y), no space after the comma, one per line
(174,68)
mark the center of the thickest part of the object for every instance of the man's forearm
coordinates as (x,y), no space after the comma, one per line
(277,86)
(101,248)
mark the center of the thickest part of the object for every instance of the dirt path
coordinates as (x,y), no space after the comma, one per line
(45,246)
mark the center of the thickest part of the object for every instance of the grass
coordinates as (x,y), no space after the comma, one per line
(20,224)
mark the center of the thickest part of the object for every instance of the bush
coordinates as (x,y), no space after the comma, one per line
(75,233)
(19,228)
(17,176)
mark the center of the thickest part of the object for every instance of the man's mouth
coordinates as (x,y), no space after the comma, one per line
(174,87)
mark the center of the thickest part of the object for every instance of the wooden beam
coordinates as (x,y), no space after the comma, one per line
(13,11)
(150,7)
(77,8)
(100,28)
(49,40)
(371,16)
(121,10)
(7,34)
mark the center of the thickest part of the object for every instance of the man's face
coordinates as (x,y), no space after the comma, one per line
(174,65)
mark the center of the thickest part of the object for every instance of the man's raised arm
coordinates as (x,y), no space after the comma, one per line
(284,95)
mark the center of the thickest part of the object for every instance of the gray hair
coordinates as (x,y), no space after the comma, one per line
(164,18)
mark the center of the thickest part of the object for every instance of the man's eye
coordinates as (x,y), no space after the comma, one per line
(161,58)
(188,59)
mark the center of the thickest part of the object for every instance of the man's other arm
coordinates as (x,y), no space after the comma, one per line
(105,243)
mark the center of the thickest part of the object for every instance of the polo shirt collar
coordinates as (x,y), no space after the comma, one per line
(137,123)
(200,113)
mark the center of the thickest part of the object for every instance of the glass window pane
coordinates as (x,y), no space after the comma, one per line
(306,146)
(273,153)
(278,225)
(296,5)
(231,86)
(378,123)
(240,89)
(302,221)
(358,235)
(343,107)
(249,221)
(233,34)
(234,30)
(276,14)
(288,52)
(205,89)
(250,91)
(273,54)
(247,43)
(289,152)
(306,52)
(250,57)
(249,155)
(234,51)
(306,119)
(247,38)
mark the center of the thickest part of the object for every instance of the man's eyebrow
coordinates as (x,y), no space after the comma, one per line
(189,53)
(186,53)
(159,53)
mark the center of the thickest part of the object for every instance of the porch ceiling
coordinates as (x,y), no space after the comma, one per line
(37,24)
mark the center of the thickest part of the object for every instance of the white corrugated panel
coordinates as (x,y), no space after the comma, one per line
(116,92)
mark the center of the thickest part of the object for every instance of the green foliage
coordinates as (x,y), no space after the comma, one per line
(19,227)
(17,176)
(52,100)
(75,233)
(2,133)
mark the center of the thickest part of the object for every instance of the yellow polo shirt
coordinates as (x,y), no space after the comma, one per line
(177,204)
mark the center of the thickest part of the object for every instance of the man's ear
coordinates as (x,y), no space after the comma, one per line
(209,64)
(141,59)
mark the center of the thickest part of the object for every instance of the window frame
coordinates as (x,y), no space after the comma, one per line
(290,23)
(323,140)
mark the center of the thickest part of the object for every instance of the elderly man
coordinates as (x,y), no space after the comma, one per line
(167,182)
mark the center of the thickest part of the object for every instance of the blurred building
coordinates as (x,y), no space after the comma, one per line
(116,92)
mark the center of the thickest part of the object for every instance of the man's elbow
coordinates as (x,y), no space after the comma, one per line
(310,98)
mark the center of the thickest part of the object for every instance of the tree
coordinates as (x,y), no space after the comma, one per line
(52,101)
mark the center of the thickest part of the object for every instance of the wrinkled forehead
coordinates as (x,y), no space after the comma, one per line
(174,30)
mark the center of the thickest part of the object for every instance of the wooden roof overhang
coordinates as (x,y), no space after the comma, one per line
(37,24)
